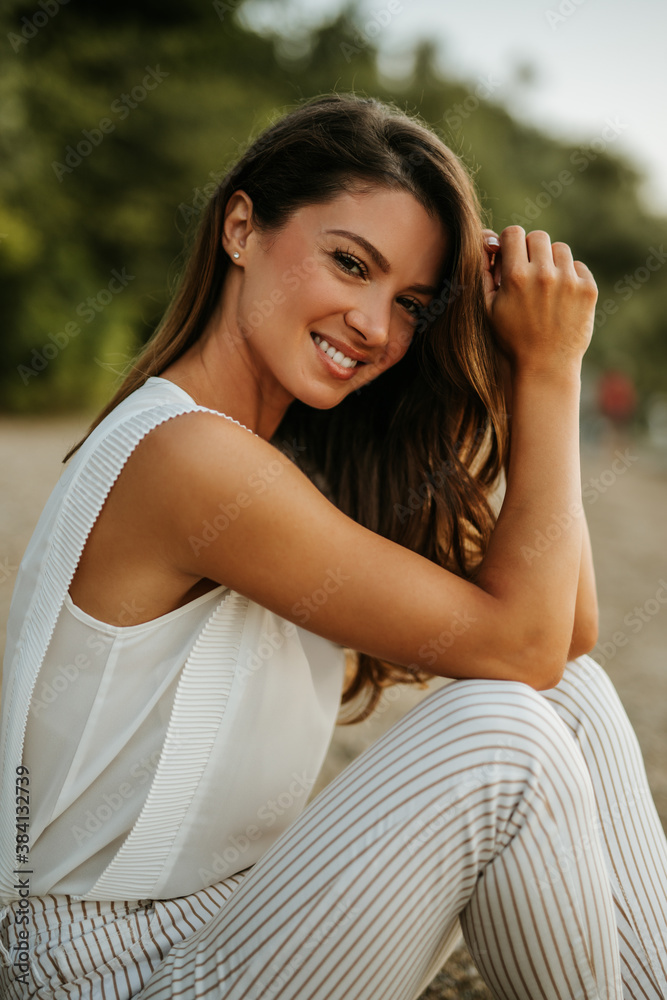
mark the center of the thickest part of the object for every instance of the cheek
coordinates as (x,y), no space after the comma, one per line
(313,293)
(263,299)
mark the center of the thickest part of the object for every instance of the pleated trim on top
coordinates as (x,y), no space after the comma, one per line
(44,576)
(201,698)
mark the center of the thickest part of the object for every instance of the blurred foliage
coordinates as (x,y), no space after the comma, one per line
(115,121)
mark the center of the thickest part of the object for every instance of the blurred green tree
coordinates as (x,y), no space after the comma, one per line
(117,121)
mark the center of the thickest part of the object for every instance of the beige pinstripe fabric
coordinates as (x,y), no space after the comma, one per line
(523,818)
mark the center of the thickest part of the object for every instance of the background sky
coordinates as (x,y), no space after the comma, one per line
(591,60)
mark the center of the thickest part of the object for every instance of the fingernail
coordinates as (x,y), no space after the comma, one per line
(492,241)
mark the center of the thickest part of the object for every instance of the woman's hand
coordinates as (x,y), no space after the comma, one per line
(584,632)
(540,302)
(491,250)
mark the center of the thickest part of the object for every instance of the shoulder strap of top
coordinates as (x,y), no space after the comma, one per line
(48,567)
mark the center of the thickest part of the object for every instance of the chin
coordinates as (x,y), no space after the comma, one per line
(323,400)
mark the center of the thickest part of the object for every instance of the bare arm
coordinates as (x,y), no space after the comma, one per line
(292,551)
(585,630)
(531,561)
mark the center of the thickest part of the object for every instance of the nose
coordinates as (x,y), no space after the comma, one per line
(372,321)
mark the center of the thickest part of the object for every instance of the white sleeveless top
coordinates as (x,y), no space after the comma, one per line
(162,756)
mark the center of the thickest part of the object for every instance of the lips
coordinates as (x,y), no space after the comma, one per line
(345,349)
(335,370)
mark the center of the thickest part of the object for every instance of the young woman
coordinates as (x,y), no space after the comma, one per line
(241,514)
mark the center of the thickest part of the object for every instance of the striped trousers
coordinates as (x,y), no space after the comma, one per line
(521,819)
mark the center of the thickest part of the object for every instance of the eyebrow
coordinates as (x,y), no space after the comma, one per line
(378,257)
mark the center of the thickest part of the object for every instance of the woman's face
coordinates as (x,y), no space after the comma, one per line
(351,273)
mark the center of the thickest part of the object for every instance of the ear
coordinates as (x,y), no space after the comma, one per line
(237,225)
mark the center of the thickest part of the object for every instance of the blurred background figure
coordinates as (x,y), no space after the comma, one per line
(617,402)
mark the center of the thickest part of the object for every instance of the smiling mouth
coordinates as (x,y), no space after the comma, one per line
(337,356)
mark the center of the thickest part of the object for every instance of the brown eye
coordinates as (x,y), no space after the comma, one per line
(348,262)
(413,306)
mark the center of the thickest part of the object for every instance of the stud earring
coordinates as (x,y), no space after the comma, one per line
(236,255)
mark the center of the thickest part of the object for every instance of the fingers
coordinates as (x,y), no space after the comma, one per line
(541,307)
(586,275)
(491,244)
(491,241)
(491,247)
(513,244)
(583,270)
(510,253)
(538,244)
(489,286)
(563,259)
(562,255)
(535,247)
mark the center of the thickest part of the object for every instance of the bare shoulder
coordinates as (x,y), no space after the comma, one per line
(223,504)
(215,453)
(199,435)
(198,452)
(203,469)
(188,461)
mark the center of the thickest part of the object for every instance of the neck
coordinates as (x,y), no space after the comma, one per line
(221,371)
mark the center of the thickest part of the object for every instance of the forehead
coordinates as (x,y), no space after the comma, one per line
(397,225)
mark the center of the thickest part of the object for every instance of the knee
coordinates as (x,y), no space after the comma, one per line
(586,695)
(477,699)
(534,748)
(499,742)
(585,670)
(508,718)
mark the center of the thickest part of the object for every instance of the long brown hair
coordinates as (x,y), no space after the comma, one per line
(414,454)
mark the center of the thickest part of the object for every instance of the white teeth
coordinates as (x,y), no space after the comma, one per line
(336,355)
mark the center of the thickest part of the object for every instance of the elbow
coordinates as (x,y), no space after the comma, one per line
(545,671)
(547,654)
(549,676)
(538,656)
(542,661)
(584,636)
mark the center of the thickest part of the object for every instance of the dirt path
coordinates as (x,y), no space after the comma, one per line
(626,502)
